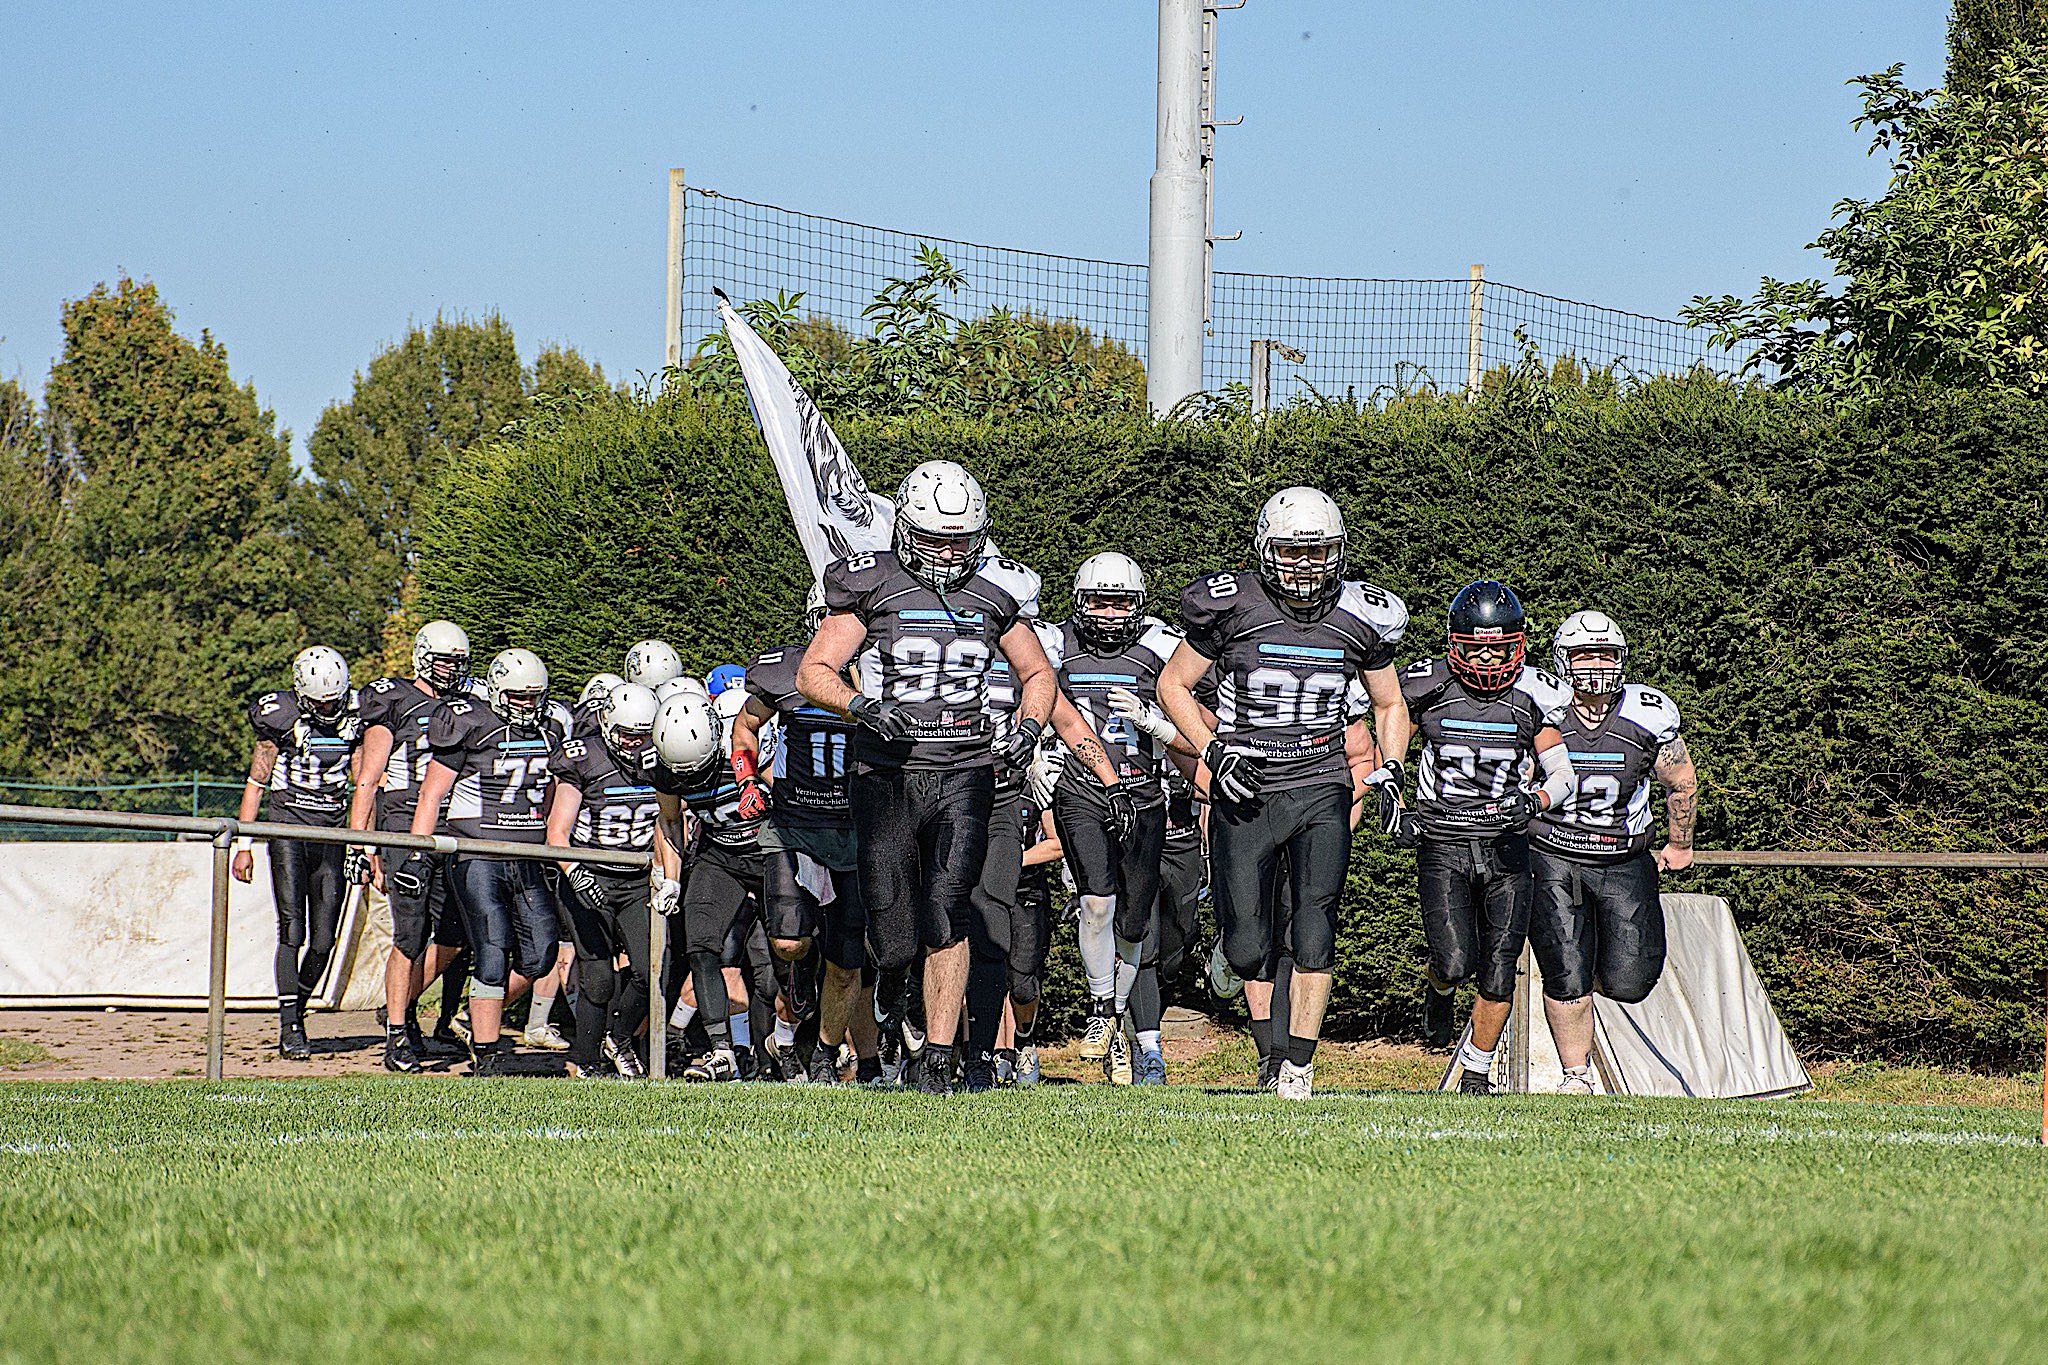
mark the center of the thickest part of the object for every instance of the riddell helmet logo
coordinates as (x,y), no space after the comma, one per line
(1486,632)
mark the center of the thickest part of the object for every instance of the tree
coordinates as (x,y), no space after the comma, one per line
(1982,31)
(442,390)
(29,526)
(1944,276)
(176,576)
(919,357)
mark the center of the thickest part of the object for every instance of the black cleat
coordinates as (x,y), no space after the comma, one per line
(292,1043)
(868,1071)
(719,1065)
(1269,1072)
(446,1043)
(935,1070)
(1439,1017)
(1475,1083)
(490,1059)
(980,1076)
(624,1059)
(824,1069)
(399,1053)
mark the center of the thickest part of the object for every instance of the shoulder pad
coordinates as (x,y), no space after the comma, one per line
(383,685)
(1018,580)
(1052,640)
(1652,710)
(1160,638)
(1378,608)
(574,748)
(1550,695)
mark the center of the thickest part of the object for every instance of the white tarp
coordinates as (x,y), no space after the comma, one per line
(1707,1030)
(128,924)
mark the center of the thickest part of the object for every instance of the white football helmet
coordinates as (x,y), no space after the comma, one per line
(1300,544)
(1103,583)
(814,608)
(440,657)
(627,722)
(941,524)
(688,737)
(320,680)
(518,683)
(682,685)
(652,663)
(598,688)
(1588,630)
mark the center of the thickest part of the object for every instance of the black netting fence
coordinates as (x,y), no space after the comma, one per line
(1359,337)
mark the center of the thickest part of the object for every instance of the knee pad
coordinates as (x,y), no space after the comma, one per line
(1448,976)
(1632,989)
(484,990)
(1096,911)
(597,979)
(1024,988)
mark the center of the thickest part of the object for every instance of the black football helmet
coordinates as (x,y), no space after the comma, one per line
(1487,615)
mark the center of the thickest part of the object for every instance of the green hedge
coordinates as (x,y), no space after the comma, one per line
(1847,603)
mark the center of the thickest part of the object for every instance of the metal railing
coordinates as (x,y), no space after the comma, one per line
(223,831)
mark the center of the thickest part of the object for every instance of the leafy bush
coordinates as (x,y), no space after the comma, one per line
(1843,598)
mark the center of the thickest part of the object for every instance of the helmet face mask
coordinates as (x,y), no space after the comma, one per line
(519,690)
(320,682)
(1591,653)
(1300,542)
(1488,636)
(941,525)
(440,657)
(627,724)
(1109,602)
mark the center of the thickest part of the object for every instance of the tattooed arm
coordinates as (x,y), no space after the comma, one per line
(1681,784)
(1071,726)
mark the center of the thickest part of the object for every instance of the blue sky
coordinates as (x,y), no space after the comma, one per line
(305,180)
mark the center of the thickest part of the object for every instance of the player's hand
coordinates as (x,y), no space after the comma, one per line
(1144,718)
(1407,830)
(409,878)
(753,802)
(376,869)
(584,883)
(1123,814)
(1015,751)
(1517,809)
(1234,774)
(1044,774)
(1385,782)
(666,897)
(889,721)
(1672,858)
(244,865)
(355,865)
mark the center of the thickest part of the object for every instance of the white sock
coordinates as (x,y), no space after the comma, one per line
(1098,944)
(543,1006)
(679,1018)
(742,1029)
(785,1034)
(1126,976)
(1148,1040)
(1472,1059)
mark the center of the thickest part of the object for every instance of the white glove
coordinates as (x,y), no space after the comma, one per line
(1144,718)
(1043,773)
(666,894)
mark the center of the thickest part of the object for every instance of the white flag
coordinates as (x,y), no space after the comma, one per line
(835,511)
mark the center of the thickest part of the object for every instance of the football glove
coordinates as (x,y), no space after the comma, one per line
(1234,774)
(889,721)
(1016,751)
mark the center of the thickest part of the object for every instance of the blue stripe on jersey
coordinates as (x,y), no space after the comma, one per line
(1301,652)
(1491,727)
(1599,757)
(999,666)
(629,791)
(972,618)
(820,713)
(1102,677)
(326,742)
(523,745)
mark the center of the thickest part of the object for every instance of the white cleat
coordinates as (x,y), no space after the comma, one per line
(1027,1064)
(1117,1064)
(1577,1081)
(1296,1082)
(544,1036)
(1095,1042)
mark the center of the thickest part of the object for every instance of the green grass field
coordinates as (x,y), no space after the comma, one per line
(541,1221)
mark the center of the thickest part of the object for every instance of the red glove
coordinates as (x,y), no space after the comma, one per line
(753,796)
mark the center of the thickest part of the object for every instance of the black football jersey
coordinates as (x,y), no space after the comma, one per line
(1608,813)
(1003,696)
(811,783)
(1087,678)
(404,710)
(929,653)
(714,798)
(309,784)
(1282,682)
(501,776)
(1475,748)
(619,808)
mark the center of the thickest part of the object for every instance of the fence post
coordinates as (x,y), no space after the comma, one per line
(672,348)
(195,791)
(217,956)
(1475,296)
(1262,382)
(657,1003)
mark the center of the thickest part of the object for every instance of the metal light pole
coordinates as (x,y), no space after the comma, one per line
(1176,256)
